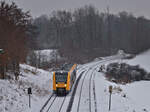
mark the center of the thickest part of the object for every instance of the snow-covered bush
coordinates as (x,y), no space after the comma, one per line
(124,73)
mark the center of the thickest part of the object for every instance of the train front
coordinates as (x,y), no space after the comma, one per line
(60,82)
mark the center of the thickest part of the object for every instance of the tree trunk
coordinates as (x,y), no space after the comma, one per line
(2,72)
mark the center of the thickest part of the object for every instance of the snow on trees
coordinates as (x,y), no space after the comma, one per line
(122,72)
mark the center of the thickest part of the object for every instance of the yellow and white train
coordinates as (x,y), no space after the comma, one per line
(63,80)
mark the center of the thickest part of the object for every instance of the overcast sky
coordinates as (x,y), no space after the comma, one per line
(39,7)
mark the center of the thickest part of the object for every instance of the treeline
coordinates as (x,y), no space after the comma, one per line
(14,37)
(86,33)
(79,36)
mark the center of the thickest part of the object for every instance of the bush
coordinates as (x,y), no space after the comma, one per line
(124,73)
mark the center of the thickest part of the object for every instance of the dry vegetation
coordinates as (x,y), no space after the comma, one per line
(124,73)
(13,37)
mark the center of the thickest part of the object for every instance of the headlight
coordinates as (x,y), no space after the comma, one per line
(56,85)
(65,85)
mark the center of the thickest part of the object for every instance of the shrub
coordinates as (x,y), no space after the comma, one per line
(124,73)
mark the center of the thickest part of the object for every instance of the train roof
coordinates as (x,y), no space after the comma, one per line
(64,68)
(60,71)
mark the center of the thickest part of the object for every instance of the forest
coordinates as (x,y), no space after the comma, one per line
(79,36)
(86,33)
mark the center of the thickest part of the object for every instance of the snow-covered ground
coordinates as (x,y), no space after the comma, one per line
(142,60)
(48,54)
(133,97)
(14,97)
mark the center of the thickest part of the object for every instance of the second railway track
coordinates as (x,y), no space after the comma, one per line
(56,104)
(89,96)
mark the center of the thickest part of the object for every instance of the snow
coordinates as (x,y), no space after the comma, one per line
(48,54)
(139,94)
(13,94)
(142,60)
(45,52)
(136,94)
(133,97)
(136,99)
(83,91)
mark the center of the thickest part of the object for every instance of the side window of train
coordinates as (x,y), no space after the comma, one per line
(74,72)
(71,78)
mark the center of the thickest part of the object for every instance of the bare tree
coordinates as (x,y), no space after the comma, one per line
(13,28)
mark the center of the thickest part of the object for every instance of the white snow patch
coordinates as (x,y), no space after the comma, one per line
(142,60)
(134,97)
(48,54)
(14,97)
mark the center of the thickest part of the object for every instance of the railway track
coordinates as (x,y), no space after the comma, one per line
(91,79)
(95,104)
(50,105)
(87,74)
(61,104)
(78,107)
(84,72)
(46,102)
(73,94)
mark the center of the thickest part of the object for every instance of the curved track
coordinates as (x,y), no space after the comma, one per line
(95,104)
(86,99)
(82,98)
(86,95)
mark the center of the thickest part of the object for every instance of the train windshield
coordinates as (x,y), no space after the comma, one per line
(61,77)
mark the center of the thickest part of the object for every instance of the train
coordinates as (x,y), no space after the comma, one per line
(64,79)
